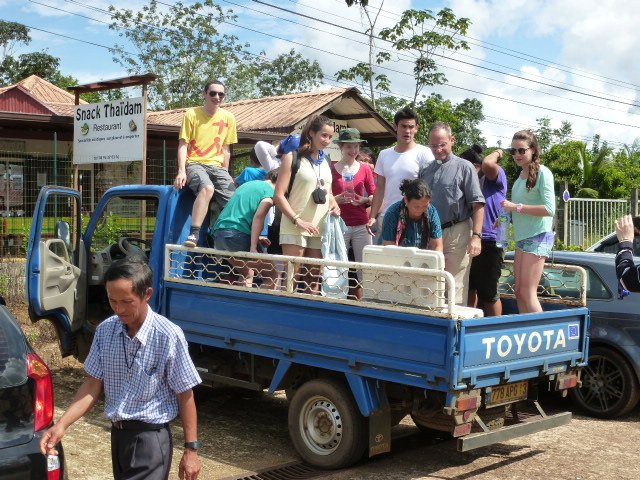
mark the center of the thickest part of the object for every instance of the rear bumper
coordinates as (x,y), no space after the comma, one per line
(477,440)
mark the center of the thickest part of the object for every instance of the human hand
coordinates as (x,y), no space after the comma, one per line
(190,465)
(624,229)
(50,439)
(370,224)
(475,246)
(360,200)
(340,198)
(509,206)
(334,208)
(307,227)
(181,180)
(264,241)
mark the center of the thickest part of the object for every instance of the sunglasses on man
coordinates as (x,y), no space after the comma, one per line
(519,151)
(213,93)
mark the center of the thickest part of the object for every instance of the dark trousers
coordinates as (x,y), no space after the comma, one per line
(137,455)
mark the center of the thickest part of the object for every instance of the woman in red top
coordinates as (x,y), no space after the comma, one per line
(353,189)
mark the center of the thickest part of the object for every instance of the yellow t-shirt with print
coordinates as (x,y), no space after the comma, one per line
(206,134)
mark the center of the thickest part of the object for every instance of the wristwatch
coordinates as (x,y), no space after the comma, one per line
(477,234)
(519,208)
(193,445)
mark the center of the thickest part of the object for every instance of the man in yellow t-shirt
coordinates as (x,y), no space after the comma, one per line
(203,155)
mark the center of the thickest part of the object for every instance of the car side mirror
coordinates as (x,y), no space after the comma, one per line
(63,232)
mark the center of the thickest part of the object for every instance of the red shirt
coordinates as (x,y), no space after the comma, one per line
(363,185)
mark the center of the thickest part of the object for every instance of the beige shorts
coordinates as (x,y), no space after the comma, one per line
(302,241)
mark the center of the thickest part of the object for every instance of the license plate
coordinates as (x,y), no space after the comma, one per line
(511,392)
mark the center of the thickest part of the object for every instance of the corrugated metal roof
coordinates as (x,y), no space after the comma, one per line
(283,114)
(17,100)
(55,98)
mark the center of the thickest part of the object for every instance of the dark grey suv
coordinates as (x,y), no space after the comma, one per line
(611,381)
(26,407)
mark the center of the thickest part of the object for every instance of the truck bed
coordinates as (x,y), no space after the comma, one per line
(435,348)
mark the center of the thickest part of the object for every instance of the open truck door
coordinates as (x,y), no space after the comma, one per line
(56,261)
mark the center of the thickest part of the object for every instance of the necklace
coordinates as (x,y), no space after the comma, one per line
(126,357)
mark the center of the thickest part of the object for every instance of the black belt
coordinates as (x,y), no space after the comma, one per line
(450,223)
(137,425)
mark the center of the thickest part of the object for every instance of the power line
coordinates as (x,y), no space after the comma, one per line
(453,86)
(527,56)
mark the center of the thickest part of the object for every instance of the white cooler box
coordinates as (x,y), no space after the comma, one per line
(420,290)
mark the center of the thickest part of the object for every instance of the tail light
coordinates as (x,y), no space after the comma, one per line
(54,472)
(43,399)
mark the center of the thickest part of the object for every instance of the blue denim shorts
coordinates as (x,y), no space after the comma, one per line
(540,244)
(232,240)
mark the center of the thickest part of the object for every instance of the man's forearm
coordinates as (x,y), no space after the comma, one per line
(83,401)
(477,217)
(188,415)
(182,155)
(378,196)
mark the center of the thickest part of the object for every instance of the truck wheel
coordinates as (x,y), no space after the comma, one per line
(325,425)
(609,385)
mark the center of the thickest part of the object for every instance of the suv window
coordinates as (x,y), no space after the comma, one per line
(596,288)
(610,245)
(13,369)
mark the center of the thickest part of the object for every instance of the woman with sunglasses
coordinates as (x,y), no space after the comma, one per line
(532,205)
(306,199)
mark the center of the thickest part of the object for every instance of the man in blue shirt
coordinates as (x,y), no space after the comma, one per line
(141,362)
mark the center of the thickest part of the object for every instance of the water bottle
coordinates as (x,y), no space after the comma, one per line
(502,229)
(349,193)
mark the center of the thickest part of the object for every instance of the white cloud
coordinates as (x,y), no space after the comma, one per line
(596,39)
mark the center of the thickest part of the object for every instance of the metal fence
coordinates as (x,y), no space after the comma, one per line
(588,220)
(22,174)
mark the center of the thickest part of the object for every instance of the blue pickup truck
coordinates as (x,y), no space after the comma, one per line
(351,369)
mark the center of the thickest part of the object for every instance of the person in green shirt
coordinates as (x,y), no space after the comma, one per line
(239,226)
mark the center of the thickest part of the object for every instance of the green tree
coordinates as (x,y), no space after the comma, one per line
(544,134)
(563,134)
(422,34)
(463,118)
(37,63)
(182,46)
(564,160)
(288,73)
(616,177)
(12,33)
(547,135)
(468,115)
(363,72)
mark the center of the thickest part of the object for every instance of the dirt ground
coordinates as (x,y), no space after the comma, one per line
(244,432)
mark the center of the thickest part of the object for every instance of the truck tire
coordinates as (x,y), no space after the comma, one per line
(609,385)
(325,425)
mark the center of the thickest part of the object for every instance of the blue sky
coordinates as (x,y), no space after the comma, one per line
(522,51)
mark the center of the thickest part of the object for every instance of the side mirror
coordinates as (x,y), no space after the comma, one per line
(63,232)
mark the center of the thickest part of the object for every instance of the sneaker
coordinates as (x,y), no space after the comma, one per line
(191,241)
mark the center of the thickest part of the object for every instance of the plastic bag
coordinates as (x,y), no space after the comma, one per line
(335,279)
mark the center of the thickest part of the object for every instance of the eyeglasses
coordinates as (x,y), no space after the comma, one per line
(213,93)
(519,151)
(438,145)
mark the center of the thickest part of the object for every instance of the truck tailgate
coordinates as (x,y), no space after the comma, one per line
(517,347)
